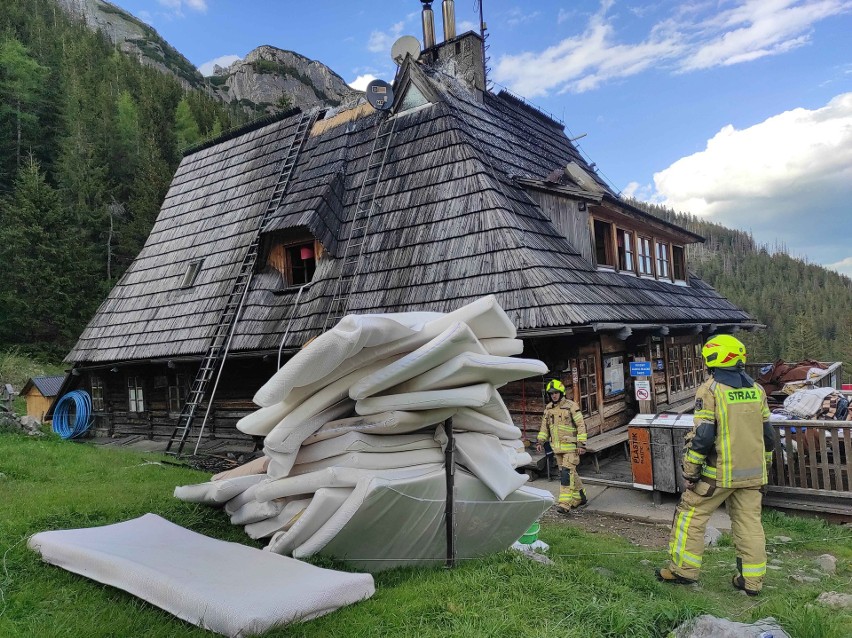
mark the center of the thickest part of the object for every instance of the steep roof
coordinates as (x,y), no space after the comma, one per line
(452,223)
(48,386)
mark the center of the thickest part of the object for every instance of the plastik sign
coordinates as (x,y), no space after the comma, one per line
(640,368)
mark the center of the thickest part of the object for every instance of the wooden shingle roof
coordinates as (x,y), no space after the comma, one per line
(452,224)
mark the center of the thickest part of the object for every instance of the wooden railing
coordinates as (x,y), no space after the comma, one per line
(813,458)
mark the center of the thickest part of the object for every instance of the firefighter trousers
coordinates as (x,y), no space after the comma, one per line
(570,484)
(686,544)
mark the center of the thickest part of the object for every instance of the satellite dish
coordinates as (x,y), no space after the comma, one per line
(380,95)
(406,45)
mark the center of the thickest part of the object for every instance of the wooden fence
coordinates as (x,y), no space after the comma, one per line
(813,458)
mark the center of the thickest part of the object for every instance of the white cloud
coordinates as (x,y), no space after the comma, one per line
(844,266)
(787,178)
(758,28)
(467,25)
(516,16)
(225,61)
(382,41)
(696,36)
(360,83)
(583,62)
(177,6)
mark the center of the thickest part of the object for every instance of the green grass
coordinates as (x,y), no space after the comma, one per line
(16,366)
(597,588)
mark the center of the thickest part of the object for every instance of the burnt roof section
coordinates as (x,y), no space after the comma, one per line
(452,224)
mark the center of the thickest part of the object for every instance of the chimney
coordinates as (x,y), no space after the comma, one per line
(449,11)
(428,25)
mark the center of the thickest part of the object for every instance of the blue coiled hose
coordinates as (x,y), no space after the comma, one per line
(62,420)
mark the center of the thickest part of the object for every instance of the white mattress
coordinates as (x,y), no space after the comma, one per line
(387,524)
(227,588)
(470,396)
(394,422)
(453,341)
(470,368)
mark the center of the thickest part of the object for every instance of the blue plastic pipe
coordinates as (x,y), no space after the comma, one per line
(68,426)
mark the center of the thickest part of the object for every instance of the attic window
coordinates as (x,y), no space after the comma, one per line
(191,273)
(413,98)
(679,263)
(295,261)
(603,243)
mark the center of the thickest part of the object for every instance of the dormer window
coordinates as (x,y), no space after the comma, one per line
(662,260)
(626,254)
(191,273)
(679,263)
(295,258)
(645,261)
(412,99)
(603,243)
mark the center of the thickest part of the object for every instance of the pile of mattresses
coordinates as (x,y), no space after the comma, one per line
(354,429)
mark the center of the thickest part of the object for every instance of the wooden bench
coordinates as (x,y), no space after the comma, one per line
(600,442)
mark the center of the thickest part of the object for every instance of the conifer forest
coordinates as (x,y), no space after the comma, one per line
(89,141)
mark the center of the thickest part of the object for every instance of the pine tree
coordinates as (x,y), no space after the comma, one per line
(21,82)
(37,248)
(186,127)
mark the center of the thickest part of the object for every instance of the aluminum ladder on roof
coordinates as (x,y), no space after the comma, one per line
(220,343)
(353,253)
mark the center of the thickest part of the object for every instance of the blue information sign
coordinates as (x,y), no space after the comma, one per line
(640,368)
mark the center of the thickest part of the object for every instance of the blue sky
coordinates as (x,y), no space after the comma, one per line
(736,110)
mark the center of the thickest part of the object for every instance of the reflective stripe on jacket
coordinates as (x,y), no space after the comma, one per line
(563,424)
(734,417)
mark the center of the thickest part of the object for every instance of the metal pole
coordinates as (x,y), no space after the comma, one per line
(449,460)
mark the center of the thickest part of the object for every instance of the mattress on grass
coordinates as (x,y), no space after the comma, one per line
(227,588)
(393,523)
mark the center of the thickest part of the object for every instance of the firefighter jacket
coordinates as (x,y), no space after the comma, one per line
(731,442)
(563,424)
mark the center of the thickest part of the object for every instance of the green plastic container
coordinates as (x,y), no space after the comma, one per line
(531,535)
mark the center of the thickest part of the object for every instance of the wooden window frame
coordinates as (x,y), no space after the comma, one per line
(285,258)
(608,243)
(176,392)
(641,257)
(662,258)
(587,383)
(683,371)
(624,233)
(191,274)
(682,261)
(97,386)
(135,395)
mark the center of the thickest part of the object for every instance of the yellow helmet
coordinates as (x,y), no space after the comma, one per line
(723,351)
(555,385)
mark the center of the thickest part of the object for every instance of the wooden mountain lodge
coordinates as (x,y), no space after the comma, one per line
(272,232)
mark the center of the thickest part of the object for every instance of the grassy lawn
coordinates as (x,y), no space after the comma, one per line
(598,586)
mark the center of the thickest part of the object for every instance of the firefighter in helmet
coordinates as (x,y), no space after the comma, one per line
(562,423)
(727,457)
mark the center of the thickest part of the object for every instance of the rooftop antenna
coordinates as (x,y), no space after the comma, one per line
(483,32)
(405,46)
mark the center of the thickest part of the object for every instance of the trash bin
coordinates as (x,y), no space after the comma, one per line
(656,450)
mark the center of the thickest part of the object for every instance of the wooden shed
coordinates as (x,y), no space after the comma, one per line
(40,393)
(456,192)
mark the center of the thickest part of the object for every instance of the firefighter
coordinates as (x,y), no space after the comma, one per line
(562,423)
(727,456)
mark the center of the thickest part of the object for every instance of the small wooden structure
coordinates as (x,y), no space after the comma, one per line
(40,393)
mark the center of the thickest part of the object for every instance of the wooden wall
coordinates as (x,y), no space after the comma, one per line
(240,380)
(37,403)
(568,219)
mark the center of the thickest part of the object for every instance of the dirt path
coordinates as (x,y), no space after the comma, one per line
(637,532)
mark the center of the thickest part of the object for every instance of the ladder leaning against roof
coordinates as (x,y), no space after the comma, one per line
(220,343)
(353,252)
